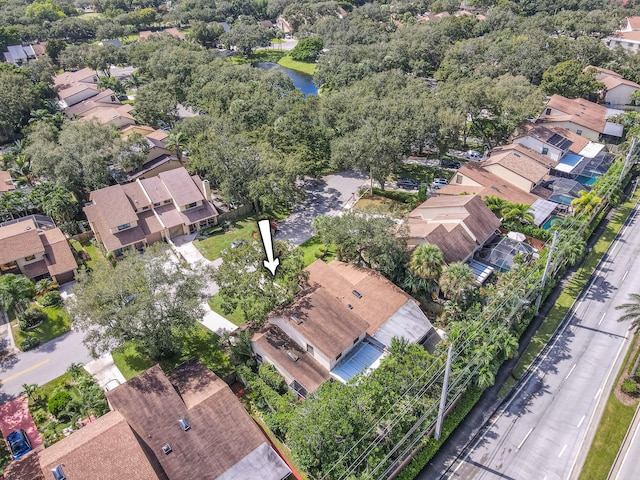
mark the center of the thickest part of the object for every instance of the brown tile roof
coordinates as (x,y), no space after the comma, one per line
(93,102)
(380,297)
(112,241)
(181,186)
(521,165)
(526,151)
(490,184)
(612,81)
(198,214)
(155,189)
(577,110)
(72,90)
(114,206)
(6,184)
(634,22)
(169,215)
(129,129)
(136,196)
(59,257)
(171,31)
(66,79)
(19,240)
(222,433)
(632,36)
(104,114)
(579,142)
(25,468)
(35,269)
(306,370)
(106,449)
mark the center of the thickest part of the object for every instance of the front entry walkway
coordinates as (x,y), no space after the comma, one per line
(15,415)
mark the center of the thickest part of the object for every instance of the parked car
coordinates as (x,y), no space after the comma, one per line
(439,183)
(409,183)
(19,443)
(449,163)
(111,384)
(473,155)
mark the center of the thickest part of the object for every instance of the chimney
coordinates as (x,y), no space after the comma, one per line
(206,188)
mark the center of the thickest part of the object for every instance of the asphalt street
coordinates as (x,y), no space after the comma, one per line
(628,466)
(544,430)
(41,364)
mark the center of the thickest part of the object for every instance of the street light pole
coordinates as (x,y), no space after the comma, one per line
(546,269)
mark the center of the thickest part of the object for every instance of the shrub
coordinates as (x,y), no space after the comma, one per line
(629,386)
(271,377)
(51,299)
(29,343)
(58,402)
(31,318)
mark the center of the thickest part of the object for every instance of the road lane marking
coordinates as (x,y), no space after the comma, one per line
(570,371)
(525,438)
(26,370)
(625,275)
(581,420)
(562,451)
(597,393)
(603,315)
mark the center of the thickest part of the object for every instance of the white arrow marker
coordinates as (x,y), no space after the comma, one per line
(265,233)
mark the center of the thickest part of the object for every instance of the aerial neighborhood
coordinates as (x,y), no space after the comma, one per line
(278,240)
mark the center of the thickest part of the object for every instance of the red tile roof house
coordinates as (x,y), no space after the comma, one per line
(149,210)
(186,424)
(582,117)
(36,253)
(459,225)
(617,90)
(338,327)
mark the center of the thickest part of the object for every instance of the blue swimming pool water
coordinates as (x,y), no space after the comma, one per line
(560,198)
(584,180)
(547,225)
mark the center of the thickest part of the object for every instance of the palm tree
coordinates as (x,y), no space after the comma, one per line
(457,282)
(495,204)
(76,371)
(632,310)
(399,346)
(136,80)
(574,251)
(30,389)
(15,292)
(517,211)
(45,285)
(177,143)
(587,202)
(427,261)
(20,170)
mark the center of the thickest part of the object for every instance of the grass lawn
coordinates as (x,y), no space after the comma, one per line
(269,55)
(568,296)
(57,324)
(312,250)
(613,426)
(5,456)
(303,67)
(94,253)
(202,344)
(242,229)
(382,205)
(49,430)
(236,317)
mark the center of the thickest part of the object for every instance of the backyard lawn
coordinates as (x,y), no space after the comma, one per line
(313,248)
(382,205)
(236,317)
(202,344)
(57,324)
(304,67)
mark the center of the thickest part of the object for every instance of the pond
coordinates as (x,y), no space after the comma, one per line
(302,81)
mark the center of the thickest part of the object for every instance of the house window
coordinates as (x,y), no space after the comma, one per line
(545,150)
(548,112)
(309,349)
(146,207)
(458,178)
(339,356)
(156,204)
(29,258)
(167,201)
(113,98)
(123,227)
(259,358)
(191,205)
(356,340)
(579,132)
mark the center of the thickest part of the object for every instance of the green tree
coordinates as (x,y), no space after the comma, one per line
(18,97)
(54,47)
(176,142)
(30,390)
(372,242)
(307,49)
(148,299)
(587,202)
(427,261)
(20,170)
(631,310)
(55,201)
(247,37)
(157,102)
(458,282)
(15,293)
(495,204)
(520,212)
(41,11)
(206,34)
(570,80)
(112,83)
(245,284)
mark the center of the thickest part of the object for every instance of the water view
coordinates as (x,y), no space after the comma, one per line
(302,81)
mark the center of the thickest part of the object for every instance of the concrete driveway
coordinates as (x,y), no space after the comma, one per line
(327,195)
(15,415)
(103,369)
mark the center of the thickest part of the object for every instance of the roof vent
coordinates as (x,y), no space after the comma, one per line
(166,448)
(296,320)
(57,473)
(184,424)
(349,306)
(356,293)
(27,228)
(292,356)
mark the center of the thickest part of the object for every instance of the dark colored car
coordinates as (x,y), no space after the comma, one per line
(409,183)
(19,443)
(449,163)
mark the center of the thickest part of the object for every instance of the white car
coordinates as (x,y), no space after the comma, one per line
(111,384)
(473,155)
(439,183)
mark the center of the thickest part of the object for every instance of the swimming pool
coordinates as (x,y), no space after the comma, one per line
(548,224)
(561,198)
(584,180)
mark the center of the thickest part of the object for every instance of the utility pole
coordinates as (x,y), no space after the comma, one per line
(627,159)
(445,391)
(546,269)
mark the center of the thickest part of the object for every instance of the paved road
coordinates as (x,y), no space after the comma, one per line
(627,466)
(41,364)
(325,196)
(543,432)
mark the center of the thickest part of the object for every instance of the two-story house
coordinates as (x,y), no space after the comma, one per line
(148,210)
(338,327)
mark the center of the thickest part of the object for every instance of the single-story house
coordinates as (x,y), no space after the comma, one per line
(184,424)
(338,327)
(617,90)
(458,225)
(149,210)
(582,117)
(173,31)
(35,252)
(627,37)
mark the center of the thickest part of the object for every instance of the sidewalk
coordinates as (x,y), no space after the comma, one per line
(7,345)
